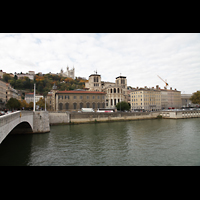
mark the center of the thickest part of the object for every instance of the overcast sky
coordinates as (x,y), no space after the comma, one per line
(138,56)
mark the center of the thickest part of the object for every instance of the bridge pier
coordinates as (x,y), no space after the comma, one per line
(41,122)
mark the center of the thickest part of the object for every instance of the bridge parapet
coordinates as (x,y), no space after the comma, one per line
(24,122)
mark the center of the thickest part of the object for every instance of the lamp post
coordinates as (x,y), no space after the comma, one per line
(34,99)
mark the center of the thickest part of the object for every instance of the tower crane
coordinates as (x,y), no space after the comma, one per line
(166,84)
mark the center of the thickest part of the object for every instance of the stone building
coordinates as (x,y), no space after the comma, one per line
(11,92)
(3,91)
(70,73)
(74,100)
(30,75)
(115,92)
(148,99)
(170,98)
(29,97)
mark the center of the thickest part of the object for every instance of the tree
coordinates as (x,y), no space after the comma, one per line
(195,98)
(41,103)
(123,106)
(24,104)
(13,104)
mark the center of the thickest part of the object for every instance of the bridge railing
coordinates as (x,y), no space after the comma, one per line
(7,118)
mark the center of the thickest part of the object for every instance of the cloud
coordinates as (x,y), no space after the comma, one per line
(140,57)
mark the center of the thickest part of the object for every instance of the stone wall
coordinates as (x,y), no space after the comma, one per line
(100,117)
(41,122)
(59,118)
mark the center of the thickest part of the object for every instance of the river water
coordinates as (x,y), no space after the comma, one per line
(136,143)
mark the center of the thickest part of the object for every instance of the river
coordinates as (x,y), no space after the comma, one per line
(137,143)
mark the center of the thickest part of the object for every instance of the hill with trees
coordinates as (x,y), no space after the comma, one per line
(44,83)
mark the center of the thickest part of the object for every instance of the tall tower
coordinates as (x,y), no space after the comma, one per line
(94,82)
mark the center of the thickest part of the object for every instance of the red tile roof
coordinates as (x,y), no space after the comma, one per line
(79,92)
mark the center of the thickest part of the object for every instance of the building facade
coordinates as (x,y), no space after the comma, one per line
(115,92)
(29,97)
(170,98)
(3,88)
(11,92)
(148,99)
(75,100)
(70,73)
(30,75)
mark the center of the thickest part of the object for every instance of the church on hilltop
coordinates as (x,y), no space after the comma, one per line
(70,73)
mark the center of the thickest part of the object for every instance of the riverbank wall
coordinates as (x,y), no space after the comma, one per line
(76,118)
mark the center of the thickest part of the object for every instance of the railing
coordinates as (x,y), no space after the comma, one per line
(7,118)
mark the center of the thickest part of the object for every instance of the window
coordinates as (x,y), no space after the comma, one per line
(87,105)
(81,105)
(67,106)
(87,97)
(74,105)
(93,97)
(60,106)
(81,97)
(98,105)
(114,90)
(98,97)
(102,97)
(66,96)
(74,97)
(93,105)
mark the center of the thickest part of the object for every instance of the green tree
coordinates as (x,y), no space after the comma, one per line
(13,104)
(123,106)
(195,98)
(6,77)
(41,103)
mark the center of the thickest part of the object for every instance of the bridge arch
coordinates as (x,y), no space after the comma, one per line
(14,122)
(22,128)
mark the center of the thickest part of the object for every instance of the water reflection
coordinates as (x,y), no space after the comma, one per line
(145,142)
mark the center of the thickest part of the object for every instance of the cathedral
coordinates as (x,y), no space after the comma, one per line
(70,73)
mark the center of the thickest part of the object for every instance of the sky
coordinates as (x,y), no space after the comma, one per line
(140,57)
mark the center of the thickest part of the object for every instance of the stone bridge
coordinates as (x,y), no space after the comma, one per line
(24,122)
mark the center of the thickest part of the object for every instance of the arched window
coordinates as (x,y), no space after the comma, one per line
(60,106)
(111,90)
(74,105)
(67,106)
(81,105)
(93,105)
(87,105)
(118,90)
(114,90)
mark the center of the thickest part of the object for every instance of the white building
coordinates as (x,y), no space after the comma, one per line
(30,75)
(70,73)
(29,97)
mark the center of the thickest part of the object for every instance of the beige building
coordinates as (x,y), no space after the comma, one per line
(115,92)
(6,92)
(74,100)
(148,99)
(170,98)
(10,92)
(3,88)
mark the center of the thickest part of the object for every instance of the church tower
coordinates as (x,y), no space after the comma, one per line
(94,82)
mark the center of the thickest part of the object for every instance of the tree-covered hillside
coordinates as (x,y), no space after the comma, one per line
(44,83)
